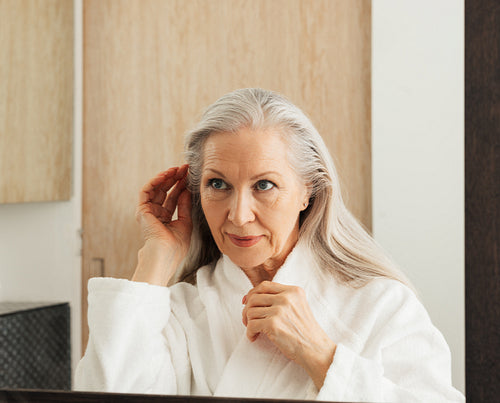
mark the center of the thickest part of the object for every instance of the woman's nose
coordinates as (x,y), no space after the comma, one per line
(241,209)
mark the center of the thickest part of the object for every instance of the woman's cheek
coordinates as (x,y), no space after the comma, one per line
(212,195)
(269,199)
(211,207)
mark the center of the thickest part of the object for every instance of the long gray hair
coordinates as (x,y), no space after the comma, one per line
(339,243)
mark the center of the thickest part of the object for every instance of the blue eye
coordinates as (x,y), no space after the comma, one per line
(264,185)
(218,184)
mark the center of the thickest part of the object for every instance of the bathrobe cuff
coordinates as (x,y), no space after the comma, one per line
(126,319)
(113,301)
(348,373)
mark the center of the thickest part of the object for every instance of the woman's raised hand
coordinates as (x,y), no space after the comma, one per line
(282,313)
(158,200)
(166,240)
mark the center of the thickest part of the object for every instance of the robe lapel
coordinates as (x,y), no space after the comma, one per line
(259,369)
(222,291)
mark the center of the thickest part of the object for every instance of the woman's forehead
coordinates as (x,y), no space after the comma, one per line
(246,145)
(248,150)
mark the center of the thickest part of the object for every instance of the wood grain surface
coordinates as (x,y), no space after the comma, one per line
(36,100)
(150,69)
(482,200)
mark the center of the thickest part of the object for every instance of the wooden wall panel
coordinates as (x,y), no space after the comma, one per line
(151,67)
(36,100)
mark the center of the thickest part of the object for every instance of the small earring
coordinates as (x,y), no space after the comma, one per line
(306,204)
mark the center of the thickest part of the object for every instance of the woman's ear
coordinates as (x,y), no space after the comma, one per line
(306,197)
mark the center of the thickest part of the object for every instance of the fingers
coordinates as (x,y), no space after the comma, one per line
(179,179)
(253,299)
(266,287)
(184,206)
(267,304)
(267,322)
(150,189)
(262,301)
(255,328)
(161,189)
(255,302)
(170,203)
(158,192)
(156,189)
(270,287)
(145,216)
(261,312)
(159,212)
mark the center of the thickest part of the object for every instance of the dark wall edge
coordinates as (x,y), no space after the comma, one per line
(482,199)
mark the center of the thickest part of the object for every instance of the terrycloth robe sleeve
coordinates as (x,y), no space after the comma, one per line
(127,351)
(404,359)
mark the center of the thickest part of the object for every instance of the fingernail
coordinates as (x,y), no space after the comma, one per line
(244,300)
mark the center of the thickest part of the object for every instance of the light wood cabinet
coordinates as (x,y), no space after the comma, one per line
(151,67)
(36,100)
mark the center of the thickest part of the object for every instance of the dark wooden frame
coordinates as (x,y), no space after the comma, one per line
(58,396)
(482,199)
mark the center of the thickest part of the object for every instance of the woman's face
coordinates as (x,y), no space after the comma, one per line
(251,197)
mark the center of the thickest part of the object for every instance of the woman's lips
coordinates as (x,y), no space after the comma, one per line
(244,241)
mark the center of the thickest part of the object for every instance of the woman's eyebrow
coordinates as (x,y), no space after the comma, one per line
(264,174)
(259,175)
(215,172)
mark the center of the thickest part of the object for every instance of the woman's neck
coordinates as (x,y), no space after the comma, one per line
(268,269)
(258,274)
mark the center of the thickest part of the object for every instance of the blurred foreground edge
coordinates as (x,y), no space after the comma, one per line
(45,396)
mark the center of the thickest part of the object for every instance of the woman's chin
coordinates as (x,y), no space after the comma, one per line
(246,259)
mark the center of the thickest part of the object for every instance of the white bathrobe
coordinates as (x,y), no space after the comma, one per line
(190,340)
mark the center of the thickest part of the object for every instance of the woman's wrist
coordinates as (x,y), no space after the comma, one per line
(157,263)
(319,361)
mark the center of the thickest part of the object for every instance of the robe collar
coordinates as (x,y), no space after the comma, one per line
(297,270)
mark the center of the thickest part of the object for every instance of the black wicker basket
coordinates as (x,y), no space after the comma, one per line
(35,347)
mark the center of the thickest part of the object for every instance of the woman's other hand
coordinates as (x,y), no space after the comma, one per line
(166,240)
(282,313)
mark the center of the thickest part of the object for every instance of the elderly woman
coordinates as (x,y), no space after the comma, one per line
(280,293)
